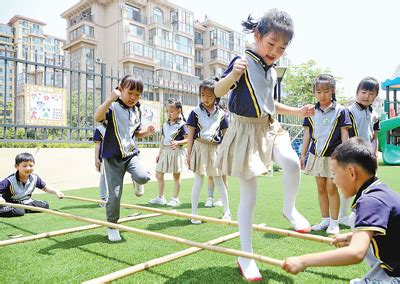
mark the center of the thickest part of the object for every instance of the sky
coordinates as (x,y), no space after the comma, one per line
(353,38)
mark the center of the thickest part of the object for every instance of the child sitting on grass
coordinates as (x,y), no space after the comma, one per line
(18,187)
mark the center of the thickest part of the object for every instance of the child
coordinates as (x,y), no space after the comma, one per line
(98,139)
(207,124)
(171,156)
(327,128)
(377,218)
(247,147)
(365,123)
(18,187)
(120,153)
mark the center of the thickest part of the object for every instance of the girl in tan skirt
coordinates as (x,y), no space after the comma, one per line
(207,124)
(326,130)
(247,146)
(171,156)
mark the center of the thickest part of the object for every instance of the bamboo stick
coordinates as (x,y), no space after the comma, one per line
(157,261)
(70,230)
(265,229)
(160,236)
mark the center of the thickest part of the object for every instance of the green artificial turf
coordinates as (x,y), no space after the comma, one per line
(78,257)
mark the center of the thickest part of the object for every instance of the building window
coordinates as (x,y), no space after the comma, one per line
(198,38)
(136,31)
(183,44)
(133,13)
(158,16)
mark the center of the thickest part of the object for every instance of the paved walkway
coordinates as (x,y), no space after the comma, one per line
(67,169)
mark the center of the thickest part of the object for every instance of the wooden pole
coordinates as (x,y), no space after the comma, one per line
(160,236)
(157,261)
(265,229)
(70,230)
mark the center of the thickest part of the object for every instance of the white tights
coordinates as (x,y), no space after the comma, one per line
(219,184)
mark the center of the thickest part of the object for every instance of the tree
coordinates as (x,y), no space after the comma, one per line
(298,83)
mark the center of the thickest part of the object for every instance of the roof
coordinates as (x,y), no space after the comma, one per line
(394,82)
(19,17)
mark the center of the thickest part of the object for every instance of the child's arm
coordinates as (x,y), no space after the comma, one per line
(97,161)
(175,143)
(344,133)
(190,141)
(352,254)
(52,190)
(100,113)
(224,85)
(375,143)
(304,149)
(145,133)
(305,111)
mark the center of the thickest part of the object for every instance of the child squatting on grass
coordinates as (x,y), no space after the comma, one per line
(376,229)
(18,187)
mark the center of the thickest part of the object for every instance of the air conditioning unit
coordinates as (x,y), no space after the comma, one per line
(98,60)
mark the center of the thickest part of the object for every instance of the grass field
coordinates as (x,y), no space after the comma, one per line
(82,256)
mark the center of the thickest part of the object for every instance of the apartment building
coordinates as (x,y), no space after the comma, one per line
(23,38)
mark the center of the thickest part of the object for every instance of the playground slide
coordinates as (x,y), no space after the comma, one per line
(390,153)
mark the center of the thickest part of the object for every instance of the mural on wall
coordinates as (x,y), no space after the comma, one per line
(45,105)
(150,114)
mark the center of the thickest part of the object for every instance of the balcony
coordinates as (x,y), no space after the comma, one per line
(160,22)
(83,17)
(137,52)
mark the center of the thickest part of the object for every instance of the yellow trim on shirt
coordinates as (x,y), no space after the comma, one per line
(117,135)
(252,95)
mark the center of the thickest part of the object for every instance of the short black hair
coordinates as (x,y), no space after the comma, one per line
(24,157)
(356,151)
(369,84)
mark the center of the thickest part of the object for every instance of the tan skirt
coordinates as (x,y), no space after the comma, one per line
(203,159)
(318,166)
(280,134)
(246,148)
(171,161)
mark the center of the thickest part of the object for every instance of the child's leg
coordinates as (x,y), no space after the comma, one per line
(37,203)
(8,211)
(137,170)
(198,183)
(248,195)
(323,196)
(345,204)
(177,181)
(210,198)
(114,171)
(334,200)
(284,155)
(161,183)
(223,193)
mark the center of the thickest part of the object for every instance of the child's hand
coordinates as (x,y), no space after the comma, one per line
(97,164)
(174,145)
(306,110)
(60,194)
(151,129)
(239,67)
(293,265)
(2,200)
(342,240)
(116,94)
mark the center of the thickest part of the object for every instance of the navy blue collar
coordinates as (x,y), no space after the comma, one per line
(258,59)
(362,188)
(363,107)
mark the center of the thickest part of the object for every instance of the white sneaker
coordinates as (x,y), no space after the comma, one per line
(209,202)
(113,235)
(333,228)
(139,191)
(355,281)
(218,203)
(323,225)
(158,200)
(174,202)
(345,221)
(195,222)
(227,216)
(102,205)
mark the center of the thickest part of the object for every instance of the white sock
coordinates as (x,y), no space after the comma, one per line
(113,235)
(248,195)
(284,155)
(345,204)
(223,193)
(198,183)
